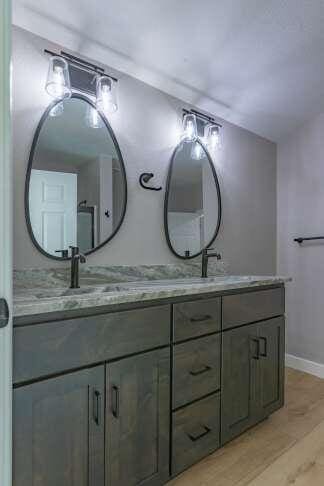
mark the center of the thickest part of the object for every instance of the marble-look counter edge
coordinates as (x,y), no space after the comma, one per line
(103,301)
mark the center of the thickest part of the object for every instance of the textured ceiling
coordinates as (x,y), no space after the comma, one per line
(256,63)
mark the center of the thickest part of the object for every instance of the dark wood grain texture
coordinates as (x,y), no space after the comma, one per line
(239,381)
(46,349)
(193,319)
(250,307)
(137,420)
(196,369)
(58,436)
(271,365)
(195,432)
(67,434)
(252,375)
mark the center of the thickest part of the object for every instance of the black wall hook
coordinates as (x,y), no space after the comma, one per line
(145,178)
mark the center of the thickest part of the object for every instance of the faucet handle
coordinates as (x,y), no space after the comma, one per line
(216,254)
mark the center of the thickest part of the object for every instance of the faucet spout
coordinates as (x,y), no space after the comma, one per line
(205,255)
(76,259)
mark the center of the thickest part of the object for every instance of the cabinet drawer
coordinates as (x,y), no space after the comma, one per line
(252,306)
(195,432)
(52,347)
(196,369)
(193,319)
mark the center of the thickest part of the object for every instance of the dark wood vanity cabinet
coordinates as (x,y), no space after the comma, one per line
(252,375)
(58,431)
(138,420)
(154,390)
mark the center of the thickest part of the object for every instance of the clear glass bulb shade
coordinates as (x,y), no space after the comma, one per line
(106,94)
(189,128)
(58,78)
(93,118)
(213,137)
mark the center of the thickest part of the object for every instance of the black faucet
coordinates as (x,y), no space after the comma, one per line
(76,258)
(204,260)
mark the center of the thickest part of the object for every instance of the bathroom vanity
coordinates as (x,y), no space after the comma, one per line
(131,387)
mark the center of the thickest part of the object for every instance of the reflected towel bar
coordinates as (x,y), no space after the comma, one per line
(311,238)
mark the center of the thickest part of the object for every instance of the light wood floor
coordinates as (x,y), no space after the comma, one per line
(287,449)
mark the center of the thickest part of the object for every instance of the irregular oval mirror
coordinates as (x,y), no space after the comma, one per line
(192,210)
(76,189)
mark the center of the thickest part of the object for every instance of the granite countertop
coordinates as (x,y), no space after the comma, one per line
(35,301)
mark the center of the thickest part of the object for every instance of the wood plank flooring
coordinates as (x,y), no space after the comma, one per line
(286,449)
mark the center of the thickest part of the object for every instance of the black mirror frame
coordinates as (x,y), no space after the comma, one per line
(29,168)
(166,198)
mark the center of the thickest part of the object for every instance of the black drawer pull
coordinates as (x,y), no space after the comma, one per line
(257,354)
(194,438)
(115,401)
(201,371)
(96,406)
(206,317)
(264,354)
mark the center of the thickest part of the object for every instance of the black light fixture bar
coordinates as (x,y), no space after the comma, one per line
(81,63)
(202,116)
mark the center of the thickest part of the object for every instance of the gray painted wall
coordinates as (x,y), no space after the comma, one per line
(301,213)
(147,127)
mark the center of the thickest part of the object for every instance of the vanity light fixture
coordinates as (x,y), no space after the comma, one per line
(58,78)
(189,127)
(201,127)
(67,72)
(106,94)
(213,137)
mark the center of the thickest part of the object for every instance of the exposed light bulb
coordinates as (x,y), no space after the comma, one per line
(189,127)
(106,95)
(190,130)
(213,137)
(58,78)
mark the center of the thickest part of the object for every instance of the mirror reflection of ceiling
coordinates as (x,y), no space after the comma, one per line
(256,63)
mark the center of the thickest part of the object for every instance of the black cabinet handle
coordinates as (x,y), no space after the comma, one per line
(194,438)
(206,317)
(115,401)
(264,354)
(201,371)
(4,313)
(96,406)
(257,354)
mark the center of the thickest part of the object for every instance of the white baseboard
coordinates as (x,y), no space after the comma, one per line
(316,369)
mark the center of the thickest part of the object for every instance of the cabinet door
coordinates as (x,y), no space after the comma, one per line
(59,431)
(137,420)
(271,365)
(239,400)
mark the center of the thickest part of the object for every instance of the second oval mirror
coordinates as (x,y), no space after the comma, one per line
(76,189)
(192,210)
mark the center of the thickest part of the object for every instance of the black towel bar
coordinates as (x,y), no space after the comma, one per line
(311,238)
